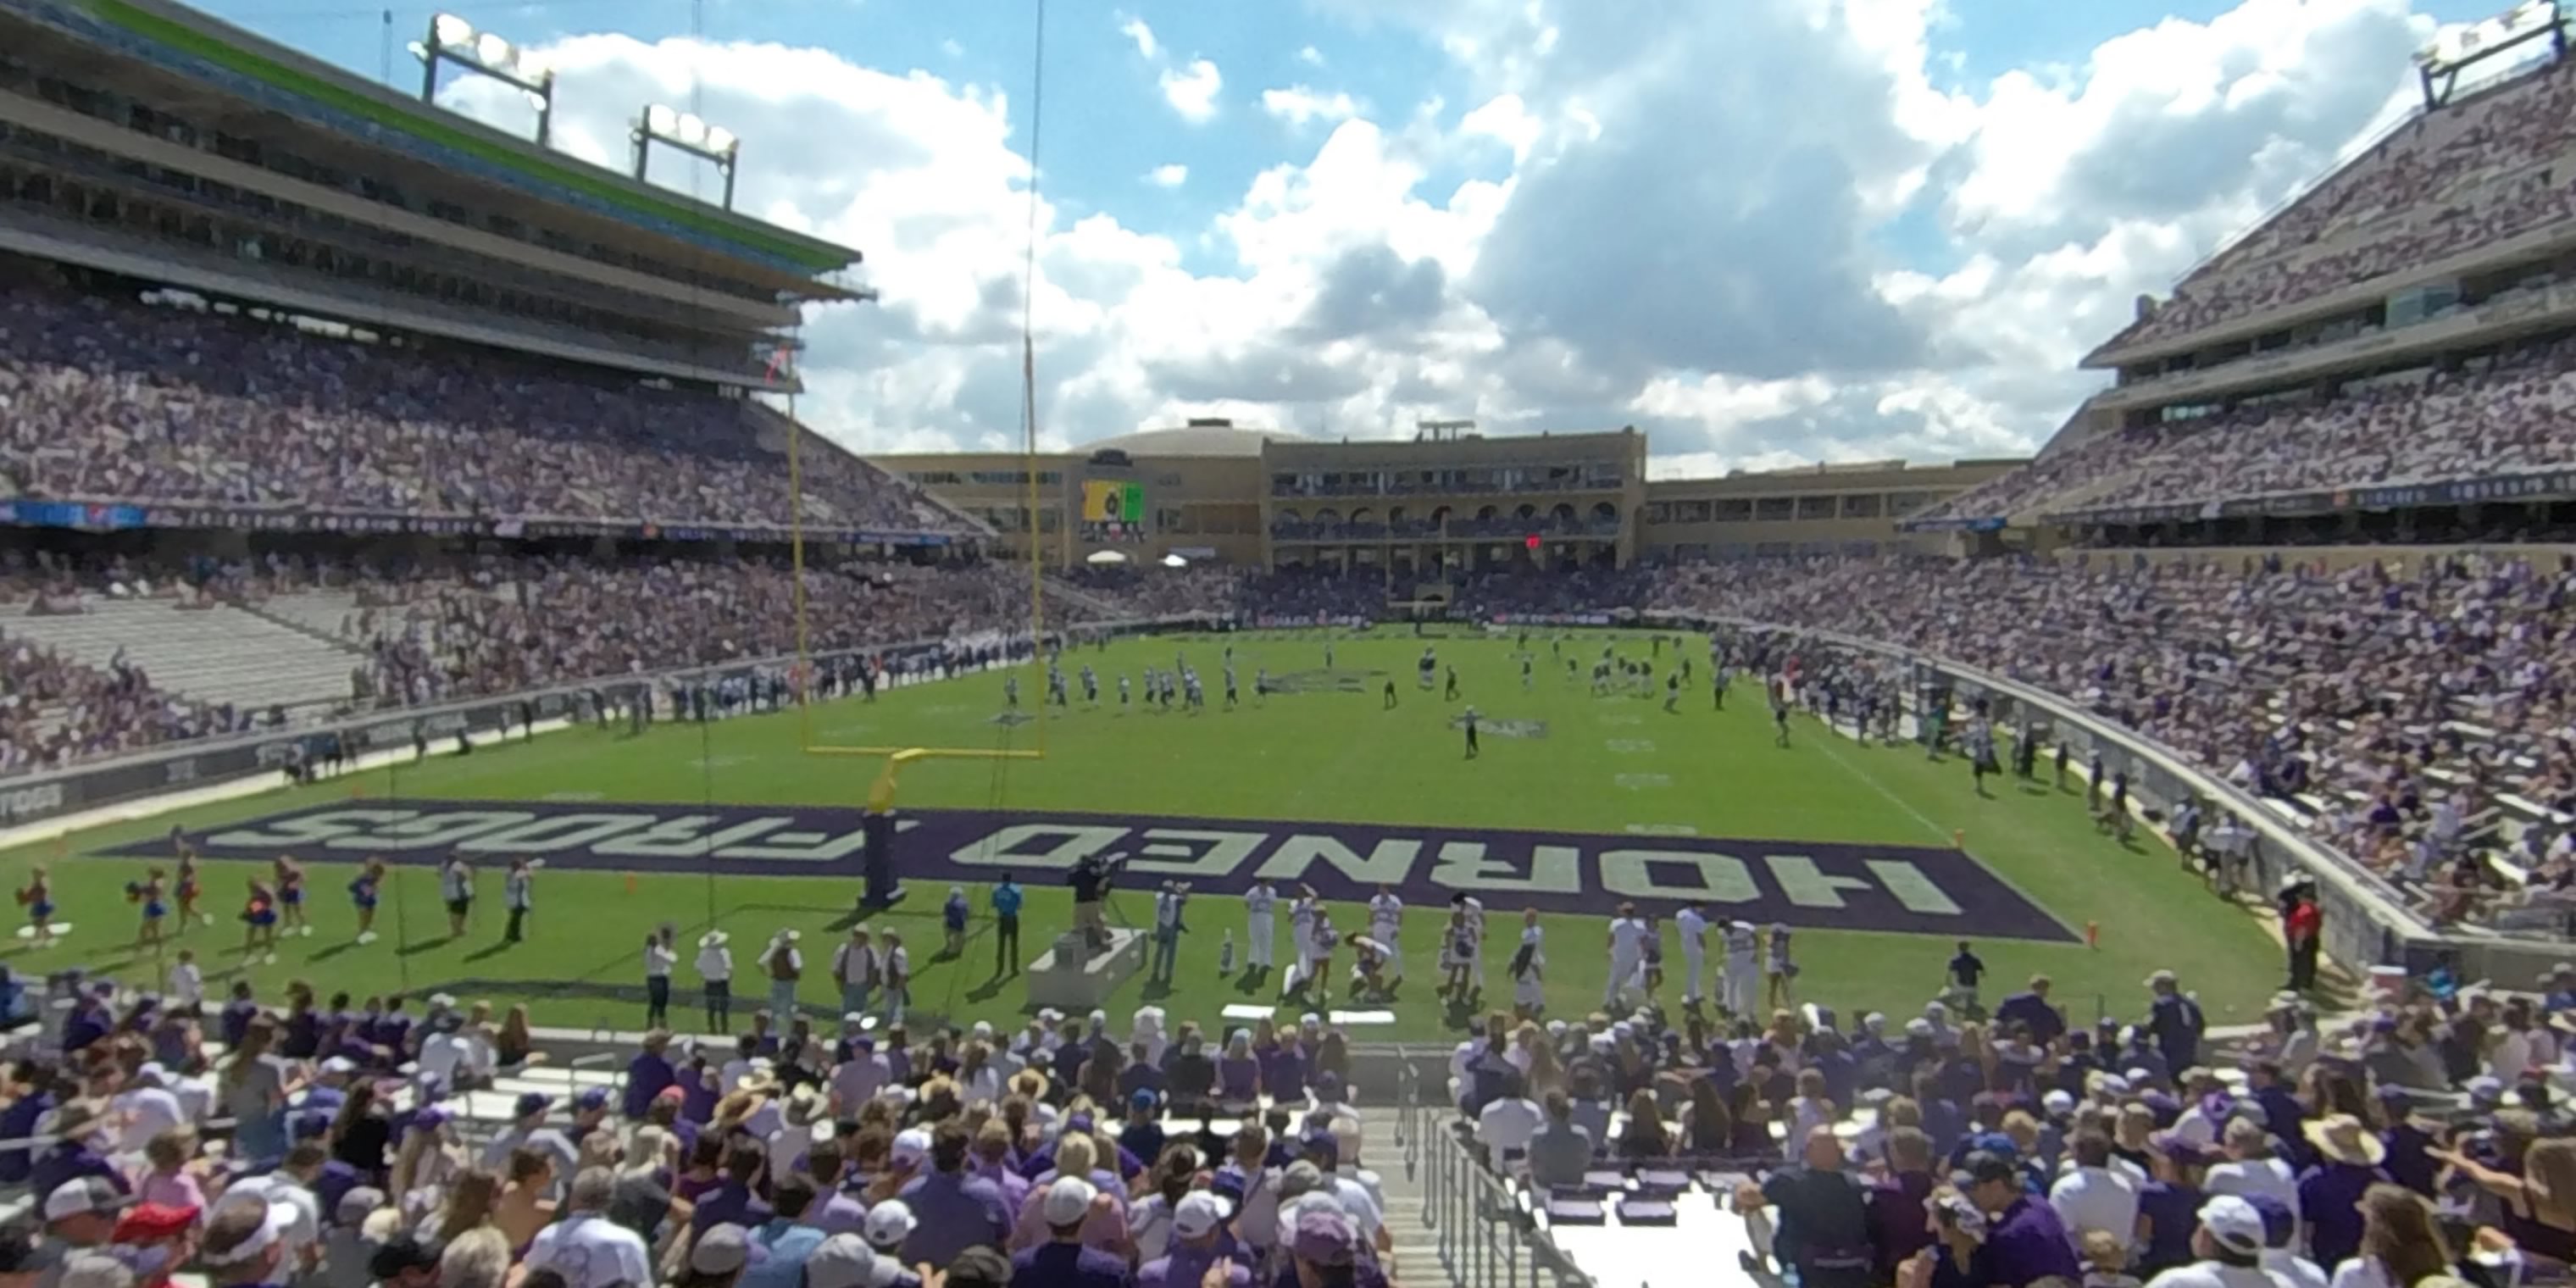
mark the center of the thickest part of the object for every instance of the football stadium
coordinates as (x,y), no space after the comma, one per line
(493,796)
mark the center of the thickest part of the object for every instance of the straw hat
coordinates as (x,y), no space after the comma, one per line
(2341,1138)
(713,939)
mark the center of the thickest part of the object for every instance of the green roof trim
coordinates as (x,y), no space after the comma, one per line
(422,123)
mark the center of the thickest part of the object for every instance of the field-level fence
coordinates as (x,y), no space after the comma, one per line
(2367,920)
(268,753)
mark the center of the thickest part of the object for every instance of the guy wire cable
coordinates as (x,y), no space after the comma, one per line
(1029,410)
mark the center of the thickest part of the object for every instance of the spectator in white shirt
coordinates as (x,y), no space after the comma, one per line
(2095,1196)
(146,1109)
(588,1249)
(2251,1169)
(1506,1125)
(715,971)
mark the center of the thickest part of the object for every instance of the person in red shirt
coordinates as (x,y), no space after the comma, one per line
(2303,928)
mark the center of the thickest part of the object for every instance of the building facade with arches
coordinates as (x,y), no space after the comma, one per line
(1447,502)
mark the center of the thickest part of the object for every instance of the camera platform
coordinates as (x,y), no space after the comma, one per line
(1073,977)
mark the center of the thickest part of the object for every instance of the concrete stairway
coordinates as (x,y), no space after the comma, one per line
(1415,1263)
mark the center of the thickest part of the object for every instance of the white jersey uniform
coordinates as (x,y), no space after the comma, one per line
(1627,958)
(1476,939)
(1386,925)
(1743,971)
(1261,917)
(1302,917)
(1693,927)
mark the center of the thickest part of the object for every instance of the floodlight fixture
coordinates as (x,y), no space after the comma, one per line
(661,123)
(454,40)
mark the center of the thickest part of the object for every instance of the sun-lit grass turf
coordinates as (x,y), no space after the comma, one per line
(1320,757)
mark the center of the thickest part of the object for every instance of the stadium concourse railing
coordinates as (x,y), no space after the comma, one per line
(2367,921)
(209,762)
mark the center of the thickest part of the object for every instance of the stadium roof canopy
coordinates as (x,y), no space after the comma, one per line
(247,170)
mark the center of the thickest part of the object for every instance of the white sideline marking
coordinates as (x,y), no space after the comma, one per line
(1643,782)
(573,797)
(1662,829)
(1631,746)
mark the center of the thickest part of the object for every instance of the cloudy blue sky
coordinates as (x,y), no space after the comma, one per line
(1766,231)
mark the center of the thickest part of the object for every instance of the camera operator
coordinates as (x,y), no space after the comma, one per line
(1090,881)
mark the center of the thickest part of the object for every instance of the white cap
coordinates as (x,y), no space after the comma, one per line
(889,1223)
(84,1196)
(911,1145)
(1067,1201)
(2234,1224)
(842,1261)
(1199,1214)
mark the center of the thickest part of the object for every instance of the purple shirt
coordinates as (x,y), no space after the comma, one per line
(70,1161)
(1014,1187)
(1238,1078)
(1283,1071)
(838,1213)
(1068,1265)
(952,1212)
(729,1203)
(1899,1224)
(2330,1200)
(646,1076)
(2026,1244)
(1185,1266)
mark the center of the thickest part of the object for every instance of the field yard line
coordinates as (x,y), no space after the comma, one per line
(1943,833)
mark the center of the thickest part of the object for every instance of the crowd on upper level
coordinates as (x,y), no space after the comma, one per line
(117,401)
(2453,180)
(2500,416)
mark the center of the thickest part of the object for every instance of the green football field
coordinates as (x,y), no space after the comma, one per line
(1629,793)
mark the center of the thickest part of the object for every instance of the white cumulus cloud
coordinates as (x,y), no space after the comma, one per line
(1299,105)
(1191,89)
(1840,251)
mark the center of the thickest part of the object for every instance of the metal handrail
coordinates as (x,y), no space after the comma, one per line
(1479,1226)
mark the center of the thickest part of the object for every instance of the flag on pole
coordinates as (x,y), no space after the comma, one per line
(782,362)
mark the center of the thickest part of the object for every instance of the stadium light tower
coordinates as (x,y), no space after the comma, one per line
(683,130)
(454,40)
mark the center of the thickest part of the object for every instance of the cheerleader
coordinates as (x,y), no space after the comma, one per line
(189,888)
(1782,969)
(148,893)
(1369,981)
(1529,971)
(1457,951)
(290,896)
(363,892)
(259,923)
(38,900)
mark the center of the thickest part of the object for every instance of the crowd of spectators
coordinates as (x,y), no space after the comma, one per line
(500,624)
(118,401)
(54,711)
(2402,709)
(2499,416)
(2424,1137)
(329,1143)
(2452,180)
(1163,592)
(471,626)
